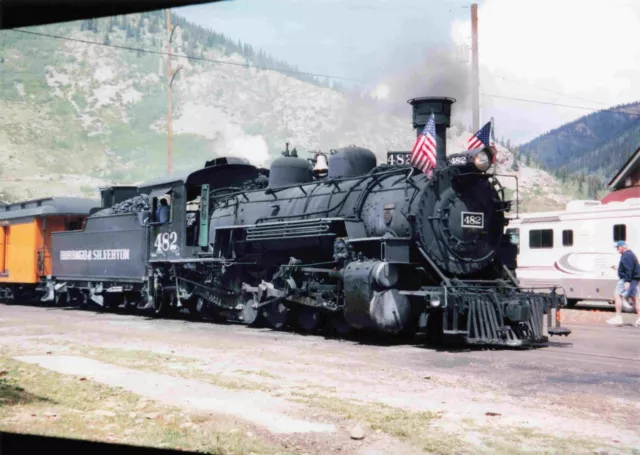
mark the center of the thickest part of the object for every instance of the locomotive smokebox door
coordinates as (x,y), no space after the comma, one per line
(166,228)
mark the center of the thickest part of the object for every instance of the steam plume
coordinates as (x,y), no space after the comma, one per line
(436,73)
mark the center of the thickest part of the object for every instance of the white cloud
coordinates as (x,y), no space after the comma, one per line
(584,49)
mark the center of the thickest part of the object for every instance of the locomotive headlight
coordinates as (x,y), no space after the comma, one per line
(482,161)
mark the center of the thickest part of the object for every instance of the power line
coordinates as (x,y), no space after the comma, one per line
(190,57)
(551,91)
(315,74)
(612,110)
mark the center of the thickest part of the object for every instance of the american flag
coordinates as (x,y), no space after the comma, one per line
(483,138)
(423,155)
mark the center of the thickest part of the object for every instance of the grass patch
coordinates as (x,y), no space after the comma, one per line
(264,374)
(38,401)
(169,364)
(521,439)
(411,426)
(416,428)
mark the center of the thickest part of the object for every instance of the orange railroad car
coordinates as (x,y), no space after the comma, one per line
(25,240)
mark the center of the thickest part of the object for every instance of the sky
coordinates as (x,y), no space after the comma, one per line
(579,53)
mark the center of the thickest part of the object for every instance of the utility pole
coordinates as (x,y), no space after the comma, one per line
(475,81)
(169,89)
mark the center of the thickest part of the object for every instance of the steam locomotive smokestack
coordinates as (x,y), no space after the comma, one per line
(441,108)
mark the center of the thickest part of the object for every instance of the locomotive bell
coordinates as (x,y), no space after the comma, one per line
(321,168)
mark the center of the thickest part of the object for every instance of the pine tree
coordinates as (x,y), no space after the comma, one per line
(153,26)
(514,166)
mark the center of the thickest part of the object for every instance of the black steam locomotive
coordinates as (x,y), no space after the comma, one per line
(334,241)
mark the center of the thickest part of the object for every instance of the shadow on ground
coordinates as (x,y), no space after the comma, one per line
(12,394)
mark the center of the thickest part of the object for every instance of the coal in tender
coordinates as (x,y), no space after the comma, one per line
(134,205)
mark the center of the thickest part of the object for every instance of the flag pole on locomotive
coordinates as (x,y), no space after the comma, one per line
(423,154)
(484,137)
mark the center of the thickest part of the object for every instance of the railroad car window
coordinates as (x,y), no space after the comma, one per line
(541,238)
(74,225)
(567,238)
(619,232)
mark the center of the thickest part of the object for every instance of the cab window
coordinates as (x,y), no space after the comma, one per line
(162,209)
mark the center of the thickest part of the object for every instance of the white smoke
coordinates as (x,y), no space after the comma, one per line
(228,138)
(252,148)
(435,73)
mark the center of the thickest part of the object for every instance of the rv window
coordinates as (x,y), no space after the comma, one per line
(541,238)
(514,237)
(619,232)
(567,238)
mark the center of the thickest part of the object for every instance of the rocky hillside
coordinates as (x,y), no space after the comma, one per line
(76,116)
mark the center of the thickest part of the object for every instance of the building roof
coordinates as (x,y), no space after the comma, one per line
(47,207)
(622,195)
(626,169)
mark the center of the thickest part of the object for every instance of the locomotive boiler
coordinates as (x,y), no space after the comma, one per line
(337,241)
(359,246)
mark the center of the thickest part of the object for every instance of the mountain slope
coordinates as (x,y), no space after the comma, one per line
(101,112)
(75,115)
(595,145)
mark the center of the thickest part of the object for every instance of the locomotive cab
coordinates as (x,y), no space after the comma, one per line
(166,239)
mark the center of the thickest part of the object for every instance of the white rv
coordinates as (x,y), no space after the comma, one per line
(574,248)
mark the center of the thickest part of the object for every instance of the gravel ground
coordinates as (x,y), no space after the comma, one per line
(329,396)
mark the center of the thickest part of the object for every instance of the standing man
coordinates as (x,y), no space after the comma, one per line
(627,287)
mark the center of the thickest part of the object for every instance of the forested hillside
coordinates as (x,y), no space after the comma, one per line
(91,109)
(587,153)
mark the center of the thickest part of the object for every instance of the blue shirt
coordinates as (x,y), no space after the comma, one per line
(163,214)
(628,270)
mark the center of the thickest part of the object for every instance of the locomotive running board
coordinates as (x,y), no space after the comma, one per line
(196,259)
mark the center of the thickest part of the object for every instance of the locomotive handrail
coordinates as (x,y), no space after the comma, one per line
(374,172)
(374,181)
(510,275)
(319,212)
(432,264)
(517,192)
(501,187)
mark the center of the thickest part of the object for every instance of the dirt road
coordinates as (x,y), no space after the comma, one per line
(279,392)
